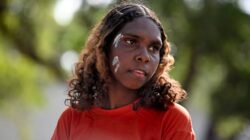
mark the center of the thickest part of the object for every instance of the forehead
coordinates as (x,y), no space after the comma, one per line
(142,27)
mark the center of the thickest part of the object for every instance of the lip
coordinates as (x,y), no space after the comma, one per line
(139,73)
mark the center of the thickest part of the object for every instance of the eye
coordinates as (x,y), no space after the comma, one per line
(130,41)
(154,48)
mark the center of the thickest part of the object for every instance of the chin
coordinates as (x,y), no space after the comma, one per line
(135,86)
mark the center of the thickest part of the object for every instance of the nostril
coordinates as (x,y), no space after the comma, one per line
(139,59)
(143,59)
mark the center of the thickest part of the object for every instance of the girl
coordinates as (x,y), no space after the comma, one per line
(121,89)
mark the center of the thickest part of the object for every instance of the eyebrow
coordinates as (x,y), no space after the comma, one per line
(156,41)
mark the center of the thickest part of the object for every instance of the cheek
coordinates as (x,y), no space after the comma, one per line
(155,63)
(155,59)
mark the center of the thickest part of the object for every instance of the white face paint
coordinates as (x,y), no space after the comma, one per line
(116,63)
(116,67)
(117,39)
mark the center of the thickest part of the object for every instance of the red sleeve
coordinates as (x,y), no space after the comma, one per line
(62,130)
(177,124)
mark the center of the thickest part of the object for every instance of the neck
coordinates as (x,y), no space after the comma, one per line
(120,96)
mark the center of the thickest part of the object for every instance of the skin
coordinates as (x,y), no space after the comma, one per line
(138,51)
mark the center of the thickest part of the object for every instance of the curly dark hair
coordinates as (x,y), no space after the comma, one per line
(88,86)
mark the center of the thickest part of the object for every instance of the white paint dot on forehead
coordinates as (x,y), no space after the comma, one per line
(115,60)
(117,39)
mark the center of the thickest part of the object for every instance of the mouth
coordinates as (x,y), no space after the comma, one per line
(139,73)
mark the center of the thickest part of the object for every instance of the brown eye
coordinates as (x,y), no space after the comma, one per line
(154,48)
(130,41)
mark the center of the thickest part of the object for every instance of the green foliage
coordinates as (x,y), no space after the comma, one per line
(213,51)
(19,80)
(229,127)
(20,88)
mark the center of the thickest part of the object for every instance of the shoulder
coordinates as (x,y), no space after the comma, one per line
(177,123)
(64,125)
(67,112)
(70,113)
(177,117)
(176,110)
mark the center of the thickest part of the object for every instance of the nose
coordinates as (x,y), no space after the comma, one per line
(143,56)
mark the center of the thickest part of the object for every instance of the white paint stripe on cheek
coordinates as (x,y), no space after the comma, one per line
(115,60)
(116,67)
(116,40)
(116,63)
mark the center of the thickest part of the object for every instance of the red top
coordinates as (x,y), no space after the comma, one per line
(125,124)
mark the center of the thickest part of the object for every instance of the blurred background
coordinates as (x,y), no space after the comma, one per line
(40,40)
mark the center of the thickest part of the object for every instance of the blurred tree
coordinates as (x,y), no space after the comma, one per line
(214,36)
(31,44)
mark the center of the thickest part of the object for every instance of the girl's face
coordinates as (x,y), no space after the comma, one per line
(135,53)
